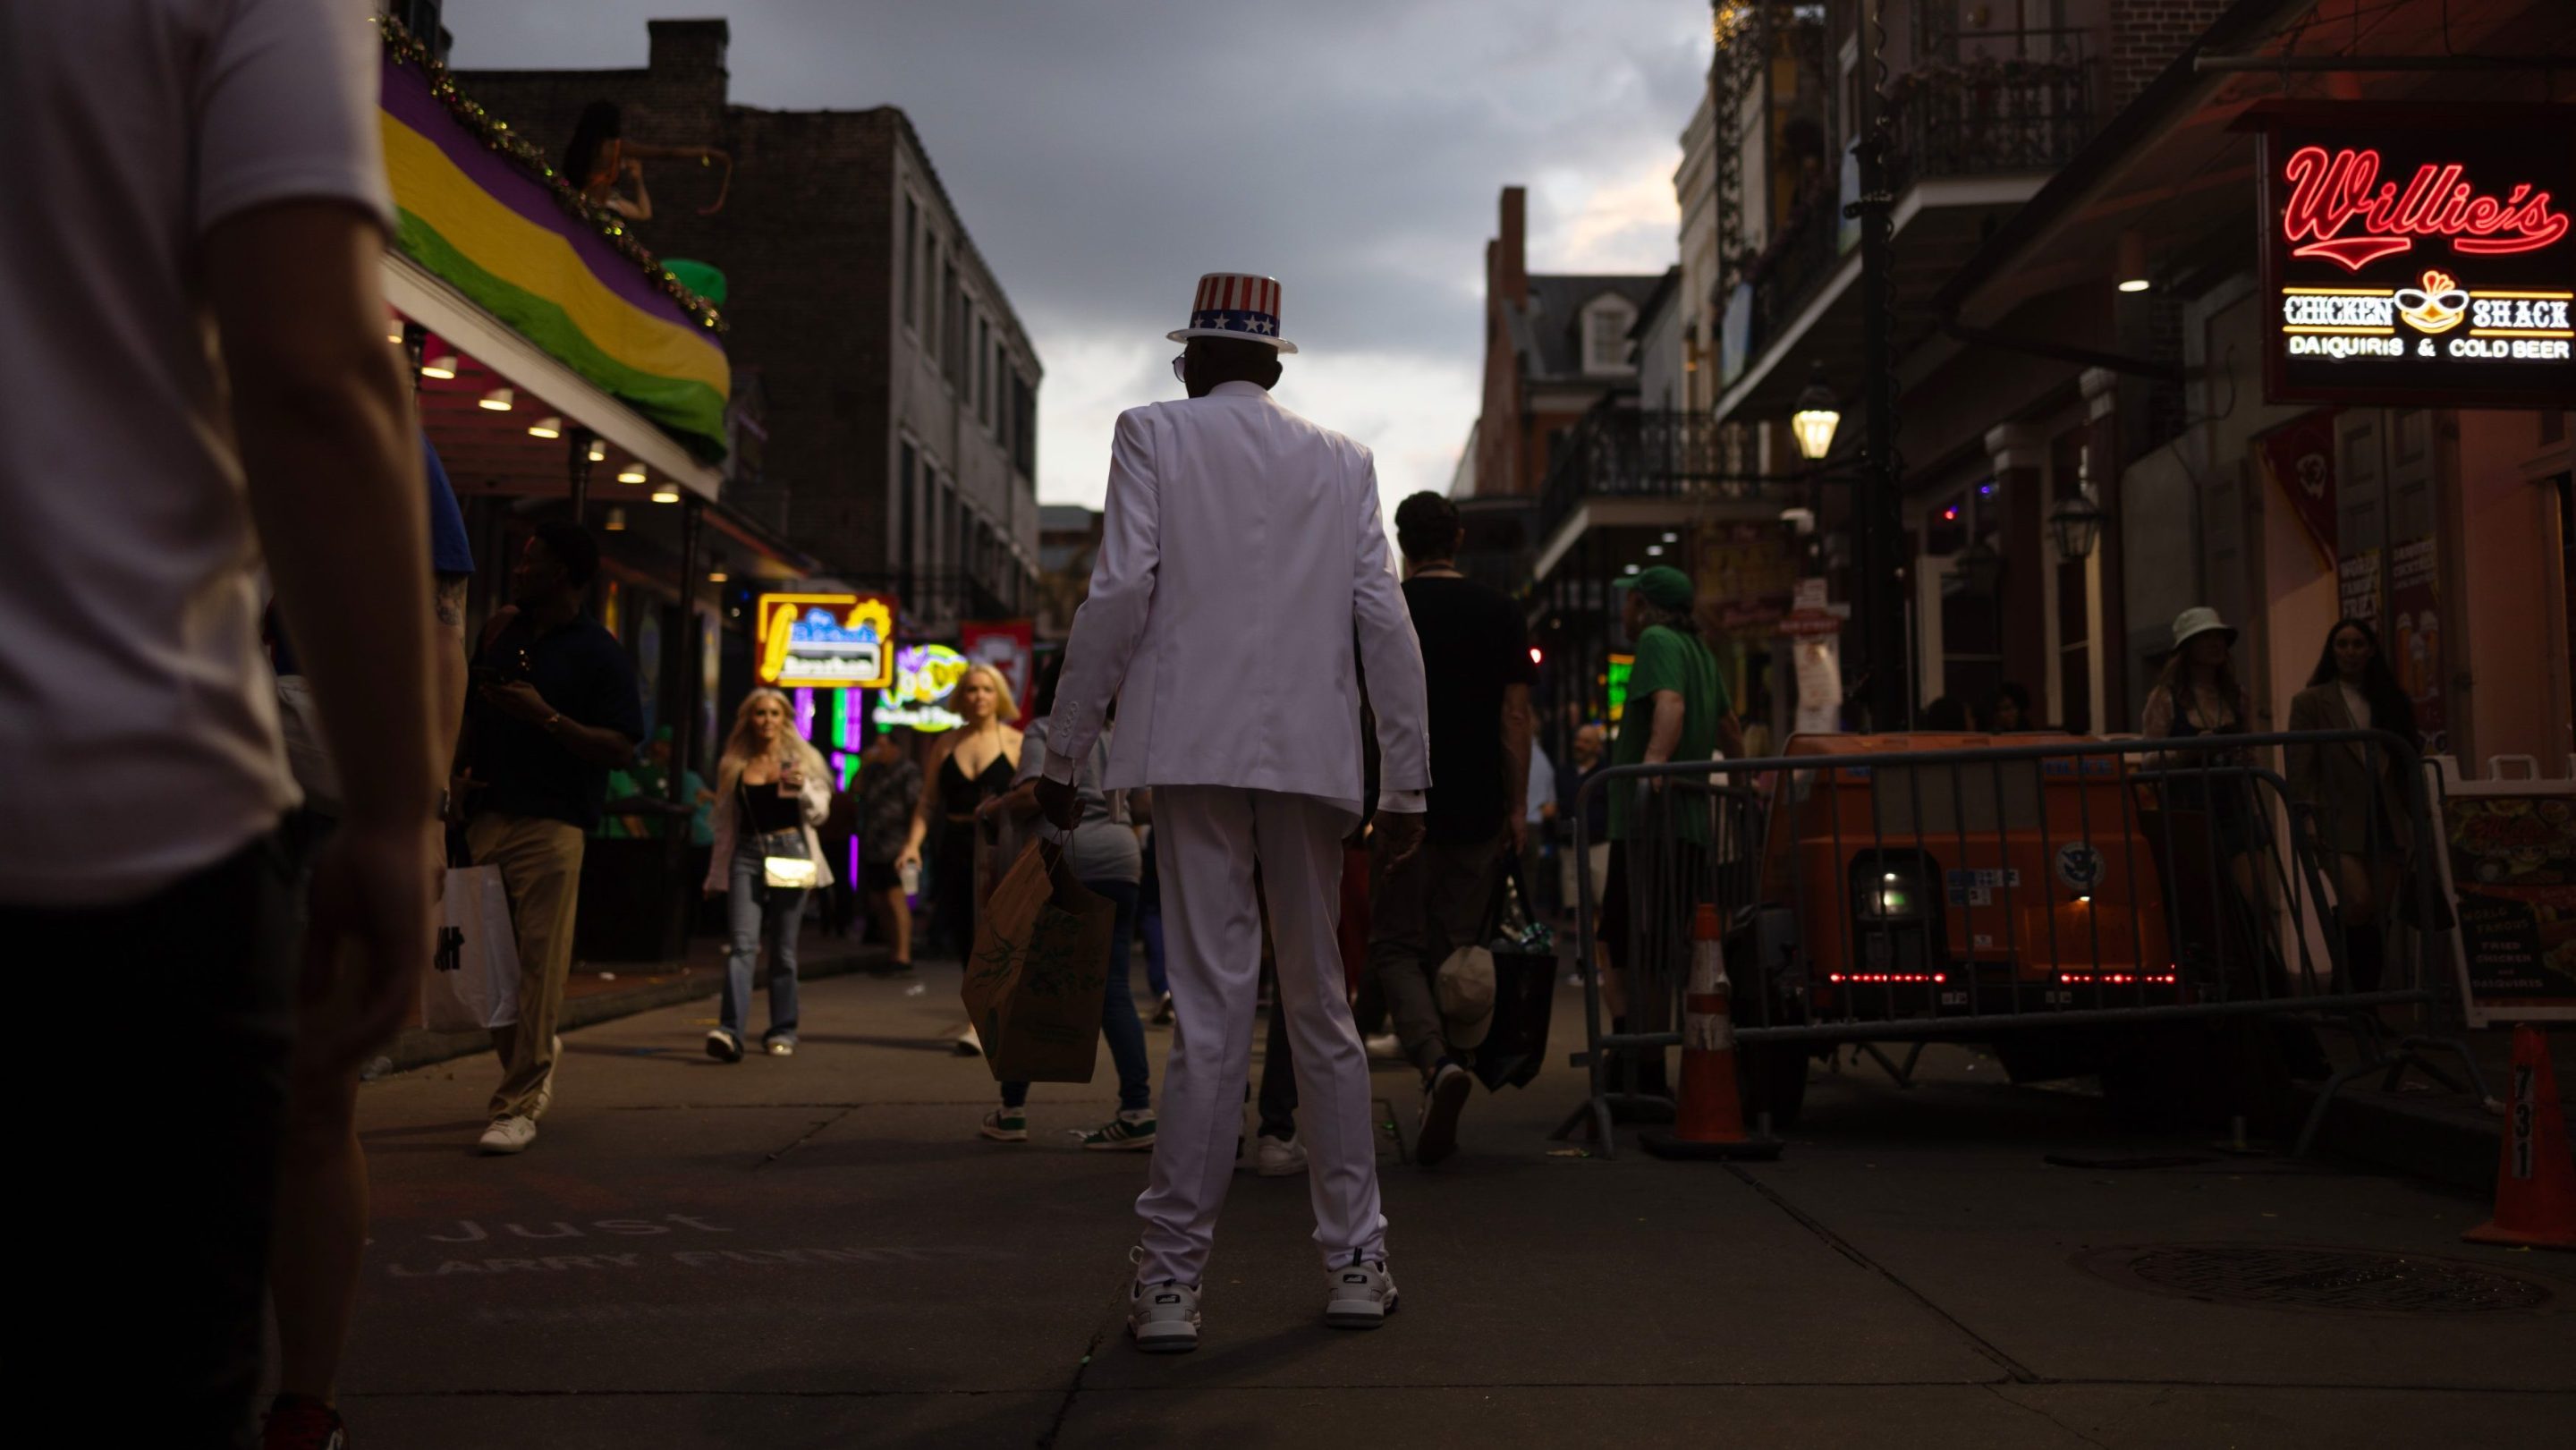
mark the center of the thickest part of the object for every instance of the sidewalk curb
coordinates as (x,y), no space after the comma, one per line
(2439,1140)
(419,1047)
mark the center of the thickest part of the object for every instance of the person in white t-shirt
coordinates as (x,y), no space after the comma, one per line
(199,383)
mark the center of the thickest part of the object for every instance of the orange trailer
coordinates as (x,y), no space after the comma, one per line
(1967,887)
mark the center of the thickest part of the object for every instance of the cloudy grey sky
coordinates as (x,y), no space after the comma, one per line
(1103,153)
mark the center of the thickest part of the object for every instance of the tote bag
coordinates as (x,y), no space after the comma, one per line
(473,980)
(1034,986)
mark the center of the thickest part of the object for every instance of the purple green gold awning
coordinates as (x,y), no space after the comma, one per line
(480,223)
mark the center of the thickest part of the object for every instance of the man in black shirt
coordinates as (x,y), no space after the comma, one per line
(555,706)
(1477,673)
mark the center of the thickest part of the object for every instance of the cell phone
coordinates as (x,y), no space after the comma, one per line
(488,675)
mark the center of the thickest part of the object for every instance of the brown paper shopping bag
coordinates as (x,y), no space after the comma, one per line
(1041,965)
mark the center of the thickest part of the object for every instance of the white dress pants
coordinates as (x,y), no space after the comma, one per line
(1206,841)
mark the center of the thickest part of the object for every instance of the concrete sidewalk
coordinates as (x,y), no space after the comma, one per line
(819,1250)
(604,991)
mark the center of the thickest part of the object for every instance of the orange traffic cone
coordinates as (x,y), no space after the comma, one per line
(2535,1179)
(1708,1116)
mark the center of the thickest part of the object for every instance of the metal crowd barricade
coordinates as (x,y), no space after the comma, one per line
(2057,898)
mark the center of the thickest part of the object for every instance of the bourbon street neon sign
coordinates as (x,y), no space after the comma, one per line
(2418,257)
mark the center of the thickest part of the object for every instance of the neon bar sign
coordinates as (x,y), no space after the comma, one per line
(825,641)
(2418,258)
(2329,192)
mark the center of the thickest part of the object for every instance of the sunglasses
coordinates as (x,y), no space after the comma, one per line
(1181,368)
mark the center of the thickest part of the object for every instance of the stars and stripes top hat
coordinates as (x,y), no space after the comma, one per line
(1239,305)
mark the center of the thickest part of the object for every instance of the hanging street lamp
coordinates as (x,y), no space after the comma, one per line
(2077,523)
(1816,418)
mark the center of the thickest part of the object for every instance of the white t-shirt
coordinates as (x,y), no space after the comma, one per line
(138,720)
(2355,702)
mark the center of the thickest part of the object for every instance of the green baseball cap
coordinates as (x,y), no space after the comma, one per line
(1664,586)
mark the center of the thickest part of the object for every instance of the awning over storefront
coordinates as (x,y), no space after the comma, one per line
(491,242)
(490,450)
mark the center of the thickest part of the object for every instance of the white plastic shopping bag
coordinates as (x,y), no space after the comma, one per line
(473,981)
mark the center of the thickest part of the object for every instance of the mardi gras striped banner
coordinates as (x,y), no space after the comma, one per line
(495,233)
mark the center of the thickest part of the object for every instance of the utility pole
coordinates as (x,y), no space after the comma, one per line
(1878,603)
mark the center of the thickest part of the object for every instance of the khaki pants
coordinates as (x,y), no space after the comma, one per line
(1423,910)
(540,863)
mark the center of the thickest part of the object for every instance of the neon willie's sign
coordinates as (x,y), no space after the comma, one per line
(2331,192)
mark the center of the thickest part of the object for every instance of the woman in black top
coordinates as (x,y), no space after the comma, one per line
(969,766)
(2355,792)
(772,789)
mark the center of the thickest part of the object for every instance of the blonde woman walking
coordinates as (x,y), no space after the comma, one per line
(968,766)
(772,790)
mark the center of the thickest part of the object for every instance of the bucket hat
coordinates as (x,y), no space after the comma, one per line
(2198,620)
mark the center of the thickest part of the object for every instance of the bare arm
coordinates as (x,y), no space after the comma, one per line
(447,610)
(1518,726)
(1665,736)
(644,151)
(921,804)
(641,208)
(1020,800)
(329,449)
(1730,735)
(2156,722)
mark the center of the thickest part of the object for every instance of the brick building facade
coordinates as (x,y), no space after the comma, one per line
(2145,36)
(900,389)
(1555,345)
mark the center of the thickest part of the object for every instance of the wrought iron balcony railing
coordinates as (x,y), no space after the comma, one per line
(1637,453)
(1980,117)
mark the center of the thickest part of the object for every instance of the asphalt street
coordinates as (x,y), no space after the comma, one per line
(820,1251)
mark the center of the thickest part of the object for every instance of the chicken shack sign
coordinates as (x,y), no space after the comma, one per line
(825,641)
(2419,258)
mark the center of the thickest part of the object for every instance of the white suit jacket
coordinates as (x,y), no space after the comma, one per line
(1242,576)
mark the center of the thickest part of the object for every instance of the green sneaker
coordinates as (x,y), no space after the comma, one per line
(1006,1125)
(1121,1135)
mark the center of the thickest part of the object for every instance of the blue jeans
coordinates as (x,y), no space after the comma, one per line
(754,909)
(1118,1020)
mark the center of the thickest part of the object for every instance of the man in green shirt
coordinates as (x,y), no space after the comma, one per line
(1677,710)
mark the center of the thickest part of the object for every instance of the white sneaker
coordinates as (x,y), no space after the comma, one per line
(1384,1046)
(968,1044)
(1281,1158)
(1359,1295)
(1163,1318)
(722,1047)
(781,1047)
(509,1134)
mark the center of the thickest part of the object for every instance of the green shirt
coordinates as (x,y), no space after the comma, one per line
(1668,659)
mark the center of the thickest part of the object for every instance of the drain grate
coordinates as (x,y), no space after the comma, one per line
(2352,1281)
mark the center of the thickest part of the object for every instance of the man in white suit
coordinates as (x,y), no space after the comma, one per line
(1242,585)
